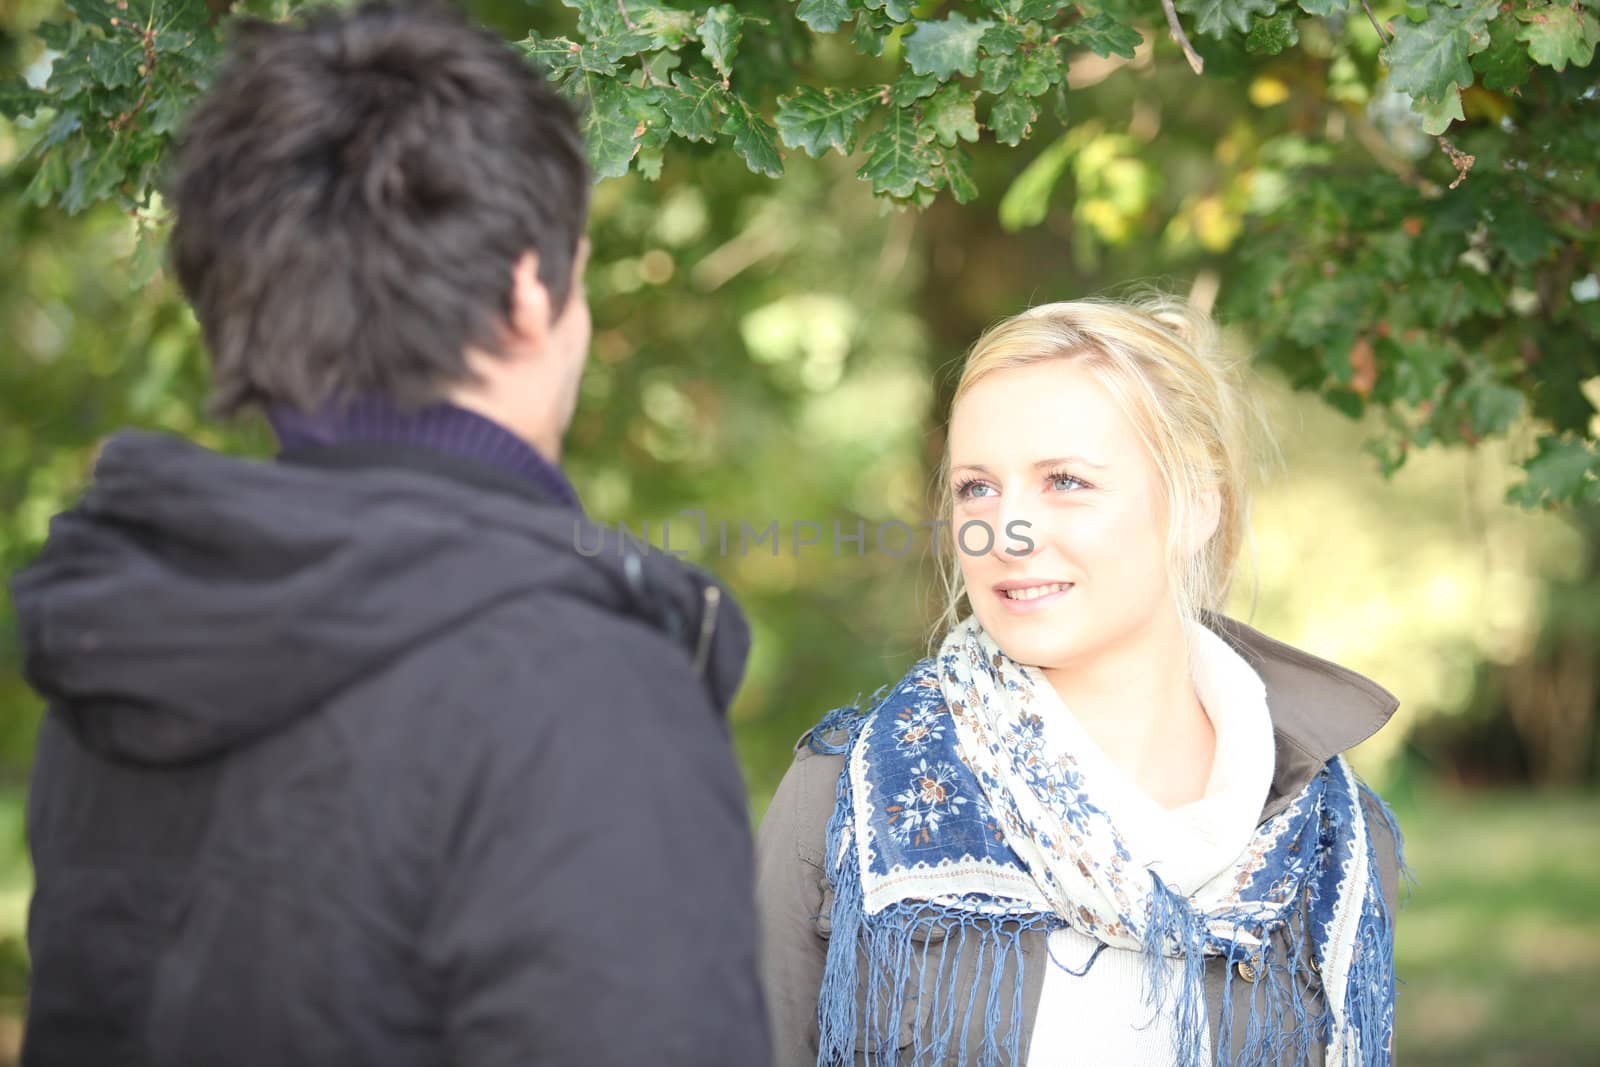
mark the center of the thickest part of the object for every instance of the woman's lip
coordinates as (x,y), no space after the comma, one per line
(1015,584)
(1027,607)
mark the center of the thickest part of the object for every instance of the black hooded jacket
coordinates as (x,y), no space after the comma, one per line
(355,759)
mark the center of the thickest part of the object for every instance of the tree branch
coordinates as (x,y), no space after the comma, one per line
(1196,64)
(1383,35)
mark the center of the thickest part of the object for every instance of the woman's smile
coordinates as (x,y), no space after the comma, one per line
(1026,598)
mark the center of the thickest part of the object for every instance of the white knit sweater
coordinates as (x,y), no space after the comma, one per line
(1102,1017)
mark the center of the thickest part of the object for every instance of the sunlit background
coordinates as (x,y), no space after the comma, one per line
(782,352)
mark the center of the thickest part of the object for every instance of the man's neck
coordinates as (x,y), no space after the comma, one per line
(446,428)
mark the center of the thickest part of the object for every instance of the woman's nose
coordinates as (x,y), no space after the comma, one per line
(1014,537)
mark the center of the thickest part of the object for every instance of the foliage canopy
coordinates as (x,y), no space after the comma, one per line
(1451,284)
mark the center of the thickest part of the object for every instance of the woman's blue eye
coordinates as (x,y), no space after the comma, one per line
(1067,481)
(970,489)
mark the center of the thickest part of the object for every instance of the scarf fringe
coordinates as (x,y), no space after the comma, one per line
(1282,1022)
(894,956)
(871,1021)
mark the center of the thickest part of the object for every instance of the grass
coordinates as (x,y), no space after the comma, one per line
(1498,947)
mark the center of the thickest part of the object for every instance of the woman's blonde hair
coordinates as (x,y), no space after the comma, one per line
(1163,362)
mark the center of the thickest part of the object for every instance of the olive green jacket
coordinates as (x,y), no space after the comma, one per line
(1318,710)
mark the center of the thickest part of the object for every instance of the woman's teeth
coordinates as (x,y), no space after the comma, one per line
(1034,592)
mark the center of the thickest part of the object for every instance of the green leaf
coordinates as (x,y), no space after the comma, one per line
(1328,316)
(1504,64)
(1011,118)
(617,46)
(550,54)
(602,18)
(950,116)
(1521,232)
(1001,39)
(955,173)
(870,35)
(694,106)
(1030,10)
(61,37)
(1272,35)
(659,67)
(1564,469)
(117,62)
(1420,366)
(909,88)
(559,57)
(1041,68)
(996,73)
(95,177)
(63,126)
(148,252)
(626,29)
(754,139)
(1438,301)
(1104,35)
(720,31)
(1429,58)
(612,124)
(945,49)
(168,108)
(1491,406)
(1216,17)
(819,119)
(1027,201)
(195,15)
(896,10)
(649,162)
(49,181)
(824,16)
(1557,35)
(18,98)
(1437,115)
(1323,7)
(896,164)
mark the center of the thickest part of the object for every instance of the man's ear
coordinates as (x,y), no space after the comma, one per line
(530,303)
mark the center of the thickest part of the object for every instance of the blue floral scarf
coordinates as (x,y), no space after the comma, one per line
(957,814)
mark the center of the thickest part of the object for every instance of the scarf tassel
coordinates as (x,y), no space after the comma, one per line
(869,1017)
(1286,1012)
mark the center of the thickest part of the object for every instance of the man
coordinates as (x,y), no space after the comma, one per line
(351,757)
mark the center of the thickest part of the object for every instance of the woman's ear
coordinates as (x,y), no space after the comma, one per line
(1203,520)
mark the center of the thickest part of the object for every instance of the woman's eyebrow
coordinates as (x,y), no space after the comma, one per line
(1057,461)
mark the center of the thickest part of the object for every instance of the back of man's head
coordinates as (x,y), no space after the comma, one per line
(352,195)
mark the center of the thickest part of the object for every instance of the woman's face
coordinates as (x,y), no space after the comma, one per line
(1043,454)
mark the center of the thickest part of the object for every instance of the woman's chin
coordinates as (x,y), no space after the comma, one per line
(1028,648)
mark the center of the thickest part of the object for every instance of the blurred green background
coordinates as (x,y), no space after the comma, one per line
(782,351)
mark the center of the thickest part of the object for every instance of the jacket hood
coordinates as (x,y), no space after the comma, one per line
(193,602)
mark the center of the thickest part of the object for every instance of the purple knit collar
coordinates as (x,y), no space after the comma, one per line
(442,427)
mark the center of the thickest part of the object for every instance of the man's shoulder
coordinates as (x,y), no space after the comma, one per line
(559,629)
(546,660)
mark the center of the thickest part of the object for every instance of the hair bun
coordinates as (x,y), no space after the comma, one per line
(1193,326)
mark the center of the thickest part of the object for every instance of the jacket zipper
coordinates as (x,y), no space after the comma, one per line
(708,626)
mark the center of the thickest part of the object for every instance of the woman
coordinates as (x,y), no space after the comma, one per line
(1103,824)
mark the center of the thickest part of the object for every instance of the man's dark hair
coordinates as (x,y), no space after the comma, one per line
(352,195)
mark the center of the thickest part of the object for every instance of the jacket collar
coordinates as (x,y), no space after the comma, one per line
(1319,709)
(367,424)
(358,455)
